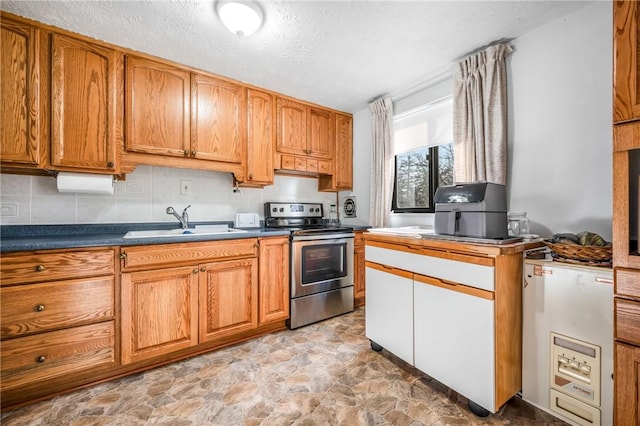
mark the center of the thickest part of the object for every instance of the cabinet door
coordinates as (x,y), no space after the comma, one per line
(389,313)
(159,312)
(343,158)
(626,84)
(454,340)
(292,127)
(260,137)
(320,127)
(20,136)
(228,298)
(274,280)
(158,108)
(86,104)
(218,117)
(626,408)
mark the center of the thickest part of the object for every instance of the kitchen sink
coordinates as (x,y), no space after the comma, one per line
(179,232)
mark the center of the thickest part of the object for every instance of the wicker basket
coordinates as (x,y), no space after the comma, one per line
(578,252)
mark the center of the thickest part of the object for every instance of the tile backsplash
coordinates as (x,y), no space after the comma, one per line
(145,195)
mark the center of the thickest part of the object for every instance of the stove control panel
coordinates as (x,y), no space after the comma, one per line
(296,210)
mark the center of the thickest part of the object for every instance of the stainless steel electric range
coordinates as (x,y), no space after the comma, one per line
(321,266)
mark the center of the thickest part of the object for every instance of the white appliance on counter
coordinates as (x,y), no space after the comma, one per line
(567,357)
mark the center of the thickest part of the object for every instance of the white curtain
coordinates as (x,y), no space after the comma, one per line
(480,116)
(381,162)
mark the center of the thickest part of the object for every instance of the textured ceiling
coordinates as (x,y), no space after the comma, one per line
(341,54)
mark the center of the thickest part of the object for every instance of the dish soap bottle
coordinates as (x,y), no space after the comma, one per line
(333,216)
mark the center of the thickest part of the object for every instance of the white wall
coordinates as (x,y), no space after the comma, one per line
(145,195)
(559,170)
(560,109)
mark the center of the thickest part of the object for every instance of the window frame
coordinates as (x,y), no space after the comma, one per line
(433,162)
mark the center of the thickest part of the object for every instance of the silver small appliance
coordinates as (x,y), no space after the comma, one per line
(477,209)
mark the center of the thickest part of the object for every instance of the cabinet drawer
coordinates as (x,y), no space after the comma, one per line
(144,257)
(471,274)
(627,321)
(44,356)
(288,162)
(325,167)
(37,267)
(627,282)
(33,308)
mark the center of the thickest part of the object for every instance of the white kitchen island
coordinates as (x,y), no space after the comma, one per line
(452,310)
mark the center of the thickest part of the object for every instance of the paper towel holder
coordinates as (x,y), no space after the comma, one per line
(84,183)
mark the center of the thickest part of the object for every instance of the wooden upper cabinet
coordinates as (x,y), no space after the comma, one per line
(158,108)
(86,105)
(626,79)
(218,119)
(20,136)
(261,135)
(343,159)
(319,132)
(292,127)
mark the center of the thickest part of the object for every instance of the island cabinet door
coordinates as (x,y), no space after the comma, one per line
(454,337)
(389,313)
(228,298)
(159,312)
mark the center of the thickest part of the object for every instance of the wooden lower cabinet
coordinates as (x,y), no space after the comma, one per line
(58,320)
(626,410)
(274,280)
(228,298)
(159,312)
(359,270)
(181,296)
(70,318)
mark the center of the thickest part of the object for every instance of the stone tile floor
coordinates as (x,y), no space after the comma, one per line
(321,374)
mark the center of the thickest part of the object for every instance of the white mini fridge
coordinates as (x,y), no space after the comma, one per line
(567,357)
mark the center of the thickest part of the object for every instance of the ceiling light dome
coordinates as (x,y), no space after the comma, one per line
(241,17)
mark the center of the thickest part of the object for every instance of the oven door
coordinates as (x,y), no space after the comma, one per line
(321,263)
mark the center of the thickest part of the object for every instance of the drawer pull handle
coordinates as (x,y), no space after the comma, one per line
(203,269)
(195,270)
(40,268)
(123,256)
(39,308)
(41,359)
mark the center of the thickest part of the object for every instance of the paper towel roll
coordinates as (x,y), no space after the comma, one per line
(84,183)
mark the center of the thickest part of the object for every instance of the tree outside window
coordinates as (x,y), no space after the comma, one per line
(417,175)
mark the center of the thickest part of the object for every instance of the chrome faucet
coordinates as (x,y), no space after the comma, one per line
(184,219)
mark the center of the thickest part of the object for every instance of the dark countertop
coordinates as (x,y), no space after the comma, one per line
(15,238)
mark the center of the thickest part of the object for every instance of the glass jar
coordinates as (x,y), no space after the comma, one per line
(518,224)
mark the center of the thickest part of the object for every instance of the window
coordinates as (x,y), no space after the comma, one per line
(423,156)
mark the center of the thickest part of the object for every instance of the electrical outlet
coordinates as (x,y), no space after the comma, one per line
(185,187)
(8,209)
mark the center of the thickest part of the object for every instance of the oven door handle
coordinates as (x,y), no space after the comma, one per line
(321,237)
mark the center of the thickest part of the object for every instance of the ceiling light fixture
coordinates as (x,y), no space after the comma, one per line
(241,17)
